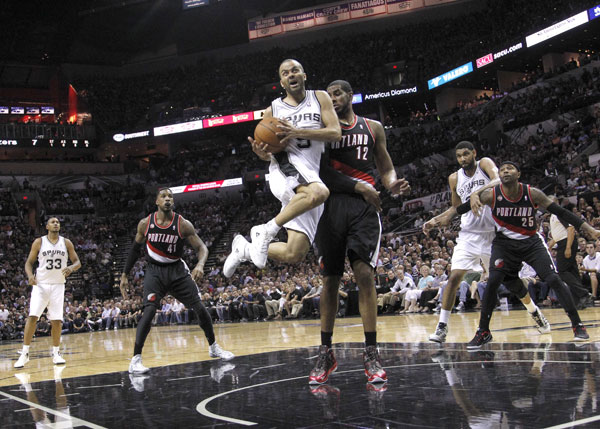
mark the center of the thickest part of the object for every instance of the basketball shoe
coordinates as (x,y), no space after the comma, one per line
(373,369)
(481,337)
(580,333)
(136,366)
(440,333)
(325,365)
(57,359)
(214,350)
(259,249)
(23,359)
(542,323)
(239,253)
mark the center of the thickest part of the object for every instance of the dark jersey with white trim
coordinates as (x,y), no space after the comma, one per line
(354,154)
(164,244)
(514,219)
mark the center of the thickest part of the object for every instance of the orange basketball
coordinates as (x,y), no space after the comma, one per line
(266,132)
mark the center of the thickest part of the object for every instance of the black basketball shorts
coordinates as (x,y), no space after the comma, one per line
(170,279)
(508,255)
(349,226)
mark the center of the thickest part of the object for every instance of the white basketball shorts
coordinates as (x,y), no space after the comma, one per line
(282,186)
(47,295)
(473,249)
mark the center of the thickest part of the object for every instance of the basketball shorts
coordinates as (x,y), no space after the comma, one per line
(349,226)
(508,255)
(472,249)
(284,178)
(170,279)
(51,296)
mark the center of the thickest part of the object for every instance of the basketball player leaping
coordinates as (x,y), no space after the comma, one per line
(164,232)
(310,121)
(474,241)
(350,225)
(513,206)
(48,285)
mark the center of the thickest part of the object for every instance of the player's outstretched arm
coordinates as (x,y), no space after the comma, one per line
(448,215)
(75,262)
(540,199)
(31,259)
(134,254)
(444,218)
(189,234)
(384,163)
(489,168)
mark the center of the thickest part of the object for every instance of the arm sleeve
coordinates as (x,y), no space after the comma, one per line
(134,254)
(565,215)
(464,208)
(333,179)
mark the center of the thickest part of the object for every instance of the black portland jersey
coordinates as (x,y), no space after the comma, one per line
(514,219)
(354,154)
(164,244)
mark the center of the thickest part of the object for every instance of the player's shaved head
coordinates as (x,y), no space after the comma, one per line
(159,190)
(343,84)
(292,61)
(465,145)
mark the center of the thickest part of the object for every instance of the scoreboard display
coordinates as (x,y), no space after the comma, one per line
(47,143)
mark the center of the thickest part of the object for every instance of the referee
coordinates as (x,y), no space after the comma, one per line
(563,235)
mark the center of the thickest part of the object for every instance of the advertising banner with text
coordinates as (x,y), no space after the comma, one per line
(332,13)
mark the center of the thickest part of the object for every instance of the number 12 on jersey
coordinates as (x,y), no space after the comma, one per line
(361,152)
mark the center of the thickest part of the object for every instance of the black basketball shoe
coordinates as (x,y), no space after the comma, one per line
(481,337)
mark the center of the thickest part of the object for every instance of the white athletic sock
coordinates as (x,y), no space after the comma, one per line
(272,227)
(531,307)
(27,387)
(444,316)
(25,348)
(55,350)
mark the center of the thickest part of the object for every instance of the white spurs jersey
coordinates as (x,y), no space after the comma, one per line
(52,259)
(465,186)
(307,114)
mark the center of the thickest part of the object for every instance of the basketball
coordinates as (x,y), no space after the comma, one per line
(266,132)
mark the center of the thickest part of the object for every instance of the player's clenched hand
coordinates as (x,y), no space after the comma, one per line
(198,273)
(32,280)
(429,225)
(475,204)
(591,231)
(260,149)
(67,272)
(400,187)
(286,131)
(123,286)
(369,193)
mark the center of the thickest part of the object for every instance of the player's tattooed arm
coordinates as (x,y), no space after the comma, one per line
(538,198)
(489,168)
(189,234)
